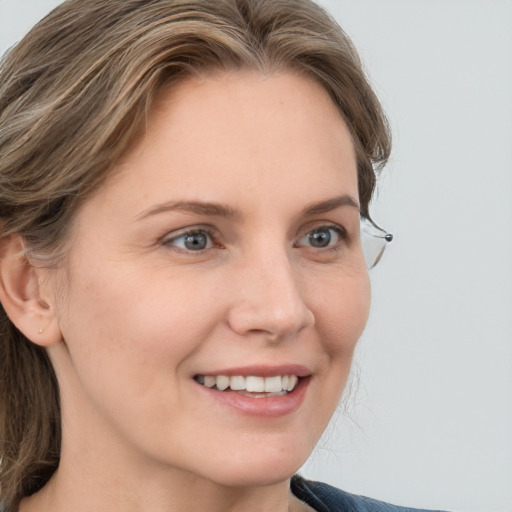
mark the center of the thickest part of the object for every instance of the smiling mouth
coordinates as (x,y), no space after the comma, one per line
(251,385)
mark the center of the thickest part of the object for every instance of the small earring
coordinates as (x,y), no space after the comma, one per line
(41,330)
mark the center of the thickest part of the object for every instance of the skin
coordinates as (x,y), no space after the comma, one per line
(138,314)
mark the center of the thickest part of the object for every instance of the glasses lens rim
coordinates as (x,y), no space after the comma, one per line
(374,240)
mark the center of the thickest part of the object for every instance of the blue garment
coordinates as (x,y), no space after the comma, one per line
(325,498)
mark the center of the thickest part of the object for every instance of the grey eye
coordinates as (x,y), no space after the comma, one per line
(196,241)
(191,241)
(322,237)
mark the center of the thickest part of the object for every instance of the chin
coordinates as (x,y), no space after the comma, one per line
(255,476)
(259,466)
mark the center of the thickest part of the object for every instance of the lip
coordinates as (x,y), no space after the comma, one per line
(263,407)
(262,371)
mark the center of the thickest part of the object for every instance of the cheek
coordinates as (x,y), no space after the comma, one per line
(118,320)
(341,312)
(127,340)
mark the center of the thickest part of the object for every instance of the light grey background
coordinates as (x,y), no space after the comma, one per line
(430,420)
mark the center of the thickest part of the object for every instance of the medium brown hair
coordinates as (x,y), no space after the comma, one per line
(74,94)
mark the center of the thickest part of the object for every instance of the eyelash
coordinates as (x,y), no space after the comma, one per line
(213,241)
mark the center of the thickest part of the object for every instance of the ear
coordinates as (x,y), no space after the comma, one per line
(20,294)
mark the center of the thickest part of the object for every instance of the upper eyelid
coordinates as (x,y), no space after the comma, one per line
(177,233)
(319,225)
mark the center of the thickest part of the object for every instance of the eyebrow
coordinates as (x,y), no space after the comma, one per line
(219,210)
(198,207)
(330,204)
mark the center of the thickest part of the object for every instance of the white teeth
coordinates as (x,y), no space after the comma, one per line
(237,383)
(255,384)
(251,383)
(209,380)
(273,384)
(292,382)
(222,382)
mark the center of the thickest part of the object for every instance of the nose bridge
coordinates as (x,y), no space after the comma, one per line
(270,299)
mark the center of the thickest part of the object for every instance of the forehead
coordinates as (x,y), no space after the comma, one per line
(234,107)
(249,132)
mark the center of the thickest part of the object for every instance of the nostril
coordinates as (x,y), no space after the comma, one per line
(272,323)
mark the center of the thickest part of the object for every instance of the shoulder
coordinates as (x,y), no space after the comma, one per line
(325,498)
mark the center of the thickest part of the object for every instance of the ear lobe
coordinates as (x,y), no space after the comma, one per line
(20,294)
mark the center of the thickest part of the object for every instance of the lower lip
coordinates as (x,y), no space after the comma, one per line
(264,407)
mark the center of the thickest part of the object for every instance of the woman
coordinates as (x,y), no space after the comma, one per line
(182,276)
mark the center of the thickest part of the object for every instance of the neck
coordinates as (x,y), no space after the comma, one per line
(64,493)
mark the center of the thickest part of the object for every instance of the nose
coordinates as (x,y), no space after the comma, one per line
(269,298)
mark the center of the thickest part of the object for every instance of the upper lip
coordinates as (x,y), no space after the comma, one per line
(262,371)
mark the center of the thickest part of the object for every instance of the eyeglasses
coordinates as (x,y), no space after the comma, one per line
(374,241)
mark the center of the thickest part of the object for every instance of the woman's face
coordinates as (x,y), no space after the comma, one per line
(223,249)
